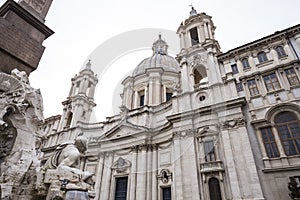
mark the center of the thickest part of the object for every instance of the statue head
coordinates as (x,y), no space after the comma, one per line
(81,143)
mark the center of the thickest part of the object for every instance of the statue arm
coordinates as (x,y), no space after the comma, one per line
(71,159)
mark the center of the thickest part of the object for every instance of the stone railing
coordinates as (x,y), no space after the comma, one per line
(213,166)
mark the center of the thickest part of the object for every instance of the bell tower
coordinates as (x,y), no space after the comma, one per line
(197,57)
(198,29)
(80,102)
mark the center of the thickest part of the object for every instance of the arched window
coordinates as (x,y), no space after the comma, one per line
(197,76)
(288,128)
(280,51)
(245,63)
(262,57)
(214,189)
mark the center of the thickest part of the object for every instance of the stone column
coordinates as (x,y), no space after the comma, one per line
(213,71)
(62,120)
(136,99)
(129,97)
(185,40)
(178,184)
(288,50)
(282,79)
(157,91)
(92,91)
(240,67)
(185,79)
(189,40)
(72,89)
(205,31)
(99,175)
(278,142)
(77,112)
(154,173)
(201,33)
(189,166)
(274,56)
(164,91)
(106,178)
(297,39)
(252,62)
(149,173)
(141,174)
(181,41)
(133,175)
(82,85)
(261,144)
(229,157)
(209,31)
(146,96)
(151,88)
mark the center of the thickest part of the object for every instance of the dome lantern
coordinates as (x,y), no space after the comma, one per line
(160,46)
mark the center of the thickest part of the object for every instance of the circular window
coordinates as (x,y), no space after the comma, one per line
(202,98)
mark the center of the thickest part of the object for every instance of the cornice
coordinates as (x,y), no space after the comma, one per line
(278,35)
(11,5)
(238,102)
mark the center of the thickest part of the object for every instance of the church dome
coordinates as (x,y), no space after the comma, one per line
(159,59)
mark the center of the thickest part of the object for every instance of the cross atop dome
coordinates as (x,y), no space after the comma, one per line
(160,46)
(193,12)
(88,65)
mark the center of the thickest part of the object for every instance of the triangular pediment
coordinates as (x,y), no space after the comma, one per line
(124,129)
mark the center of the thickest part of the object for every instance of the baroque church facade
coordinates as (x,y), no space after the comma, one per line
(204,125)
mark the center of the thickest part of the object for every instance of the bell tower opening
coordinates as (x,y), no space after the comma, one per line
(69,119)
(197,77)
(194,36)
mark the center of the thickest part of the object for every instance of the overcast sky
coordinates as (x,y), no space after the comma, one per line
(83,25)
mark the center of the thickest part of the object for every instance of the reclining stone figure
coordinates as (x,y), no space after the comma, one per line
(63,164)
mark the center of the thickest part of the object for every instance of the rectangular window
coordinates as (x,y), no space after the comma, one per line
(209,151)
(121,188)
(252,87)
(292,76)
(234,69)
(269,142)
(239,87)
(194,36)
(142,100)
(169,96)
(271,82)
(166,193)
(262,57)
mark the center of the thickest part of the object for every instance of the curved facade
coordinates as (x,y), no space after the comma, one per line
(207,125)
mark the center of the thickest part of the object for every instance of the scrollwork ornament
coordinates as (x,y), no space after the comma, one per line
(234,123)
(121,165)
(196,60)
